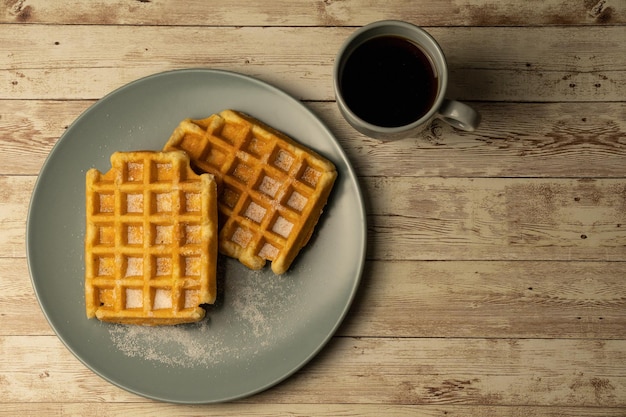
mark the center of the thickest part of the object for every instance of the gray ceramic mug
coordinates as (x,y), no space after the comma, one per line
(390,80)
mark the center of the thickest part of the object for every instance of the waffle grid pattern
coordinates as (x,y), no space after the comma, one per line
(149,240)
(271,189)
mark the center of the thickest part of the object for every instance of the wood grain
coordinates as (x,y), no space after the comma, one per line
(491,300)
(497,219)
(469,371)
(494,281)
(13,211)
(523,140)
(398,371)
(453,218)
(148,409)
(317,13)
(486,63)
(575,140)
(433,299)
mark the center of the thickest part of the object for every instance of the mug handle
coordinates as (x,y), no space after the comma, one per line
(459,115)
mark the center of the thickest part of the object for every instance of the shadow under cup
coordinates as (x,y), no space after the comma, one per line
(390,79)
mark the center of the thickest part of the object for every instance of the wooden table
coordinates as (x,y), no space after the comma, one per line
(495,281)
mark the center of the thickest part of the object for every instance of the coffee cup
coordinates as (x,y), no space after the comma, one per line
(390,81)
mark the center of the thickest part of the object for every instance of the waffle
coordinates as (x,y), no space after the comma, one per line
(271,190)
(151,240)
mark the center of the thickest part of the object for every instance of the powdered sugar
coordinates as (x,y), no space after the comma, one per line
(283,160)
(282,226)
(134,203)
(269,186)
(241,237)
(134,267)
(134,298)
(268,251)
(249,317)
(255,212)
(162,299)
(297,201)
(174,346)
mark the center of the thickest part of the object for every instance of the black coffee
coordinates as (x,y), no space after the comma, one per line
(389,81)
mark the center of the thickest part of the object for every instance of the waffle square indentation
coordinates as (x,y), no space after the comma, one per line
(234,134)
(255,212)
(309,175)
(134,267)
(163,203)
(282,226)
(133,233)
(191,266)
(268,251)
(162,266)
(104,266)
(257,146)
(242,172)
(134,203)
(241,236)
(283,160)
(297,201)
(268,185)
(134,172)
(163,234)
(106,235)
(193,202)
(190,298)
(163,172)
(106,203)
(230,197)
(106,297)
(216,157)
(162,299)
(192,234)
(133,298)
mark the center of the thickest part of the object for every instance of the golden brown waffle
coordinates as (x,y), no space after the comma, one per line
(151,240)
(271,189)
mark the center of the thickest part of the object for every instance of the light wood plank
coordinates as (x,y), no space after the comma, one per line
(315,13)
(486,64)
(297,410)
(530,372)
(14,200)
(29,129)
(20,313)
(487,372)
(514,140)
(433,299)
(412,218)
(576,140)
(497,219)
(41,369)
(490,299)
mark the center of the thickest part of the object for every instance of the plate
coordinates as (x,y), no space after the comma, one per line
(263,327)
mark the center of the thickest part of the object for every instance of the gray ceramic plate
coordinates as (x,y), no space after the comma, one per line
(263,328)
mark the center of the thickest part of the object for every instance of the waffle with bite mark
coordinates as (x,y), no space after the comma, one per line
(151,240)
(272,190)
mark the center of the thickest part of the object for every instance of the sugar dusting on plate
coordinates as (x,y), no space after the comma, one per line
(250,320)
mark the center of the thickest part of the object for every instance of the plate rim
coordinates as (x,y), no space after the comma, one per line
(353,178)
